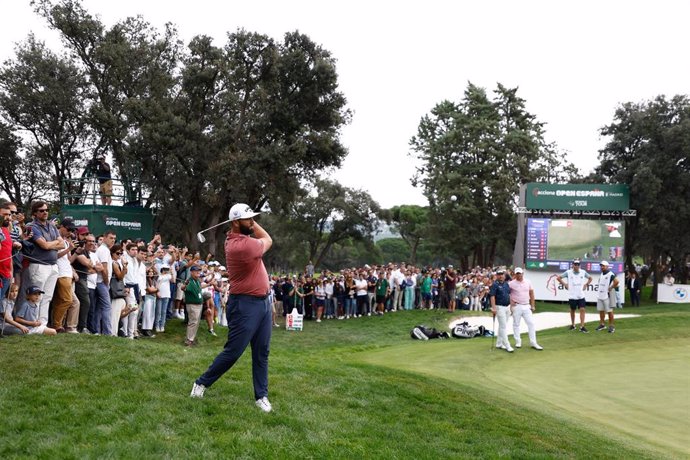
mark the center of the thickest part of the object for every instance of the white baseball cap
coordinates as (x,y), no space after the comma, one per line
(241,211)
(603,262)
(519,270)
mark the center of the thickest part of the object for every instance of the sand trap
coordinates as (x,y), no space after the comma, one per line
(544,320)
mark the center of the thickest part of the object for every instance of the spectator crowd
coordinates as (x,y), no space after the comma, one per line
(380,289)
(60,278)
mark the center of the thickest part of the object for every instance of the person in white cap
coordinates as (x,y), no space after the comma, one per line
(606,296)
(249,308)
(522,304)
(576,284)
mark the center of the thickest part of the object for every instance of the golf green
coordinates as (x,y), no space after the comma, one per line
(637,390)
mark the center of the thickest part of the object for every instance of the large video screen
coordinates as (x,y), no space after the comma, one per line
(552,244)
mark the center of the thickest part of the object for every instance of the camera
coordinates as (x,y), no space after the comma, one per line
(92,165)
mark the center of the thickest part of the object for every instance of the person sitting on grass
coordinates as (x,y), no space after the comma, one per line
(8,325)
(27,313)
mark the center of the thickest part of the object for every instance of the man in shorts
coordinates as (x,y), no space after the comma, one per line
(606,296)
(576,284)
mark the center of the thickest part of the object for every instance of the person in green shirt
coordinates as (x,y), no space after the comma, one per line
(426,291)
(298,295)
(194,301)
(383,290)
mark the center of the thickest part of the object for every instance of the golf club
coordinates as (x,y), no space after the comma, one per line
(493,333)
(202,238)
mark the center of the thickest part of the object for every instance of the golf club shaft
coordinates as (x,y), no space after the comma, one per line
(493,333)
(214,226)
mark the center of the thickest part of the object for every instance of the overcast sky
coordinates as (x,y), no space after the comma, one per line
(574,62)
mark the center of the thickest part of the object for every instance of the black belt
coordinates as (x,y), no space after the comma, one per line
(257,297)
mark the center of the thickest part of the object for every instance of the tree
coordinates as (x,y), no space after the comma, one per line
(208,126)
(329,215)
(20,179)
(480,151)
(129,67)
(393,249)
(43,95)
(648,150)
(410,222)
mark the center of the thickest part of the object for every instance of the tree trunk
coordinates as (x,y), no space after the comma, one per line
(212,235)
(413,251)
(465,263)
(629,243)
(656,269)
(491,254)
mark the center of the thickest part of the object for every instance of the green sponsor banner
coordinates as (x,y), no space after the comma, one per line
(127,222)
(578,197)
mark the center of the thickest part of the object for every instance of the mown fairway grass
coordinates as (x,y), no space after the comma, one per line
(354,389)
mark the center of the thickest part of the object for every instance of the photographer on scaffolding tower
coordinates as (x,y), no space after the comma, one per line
(102,170)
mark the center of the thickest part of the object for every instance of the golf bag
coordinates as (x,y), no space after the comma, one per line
(465,331)
(424,333)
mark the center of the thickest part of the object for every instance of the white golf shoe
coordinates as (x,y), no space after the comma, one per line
(264,404)
(197,391)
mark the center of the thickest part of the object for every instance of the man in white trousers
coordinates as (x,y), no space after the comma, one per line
(522,304)
(499,296)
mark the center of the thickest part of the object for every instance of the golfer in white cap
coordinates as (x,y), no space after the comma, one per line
(606,296)
(522,304)
(249,311)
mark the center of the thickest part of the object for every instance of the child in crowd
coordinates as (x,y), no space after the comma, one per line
(8,325)
(162,297)
(27,313)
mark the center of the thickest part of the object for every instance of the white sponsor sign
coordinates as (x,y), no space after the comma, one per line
(675,293)
(547,287)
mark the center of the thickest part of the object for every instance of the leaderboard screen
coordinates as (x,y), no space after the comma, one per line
(552,244)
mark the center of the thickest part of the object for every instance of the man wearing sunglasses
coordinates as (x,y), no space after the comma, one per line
(16,226)
(42,271)
(576,281)
(6,246)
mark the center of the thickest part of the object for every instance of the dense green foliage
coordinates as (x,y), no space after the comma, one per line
(648,148)
(480,151)
(193,129)
(411,222)
(328,215)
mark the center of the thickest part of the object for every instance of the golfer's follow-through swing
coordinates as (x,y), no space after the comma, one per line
(249,311)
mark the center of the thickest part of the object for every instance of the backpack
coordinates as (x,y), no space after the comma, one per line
(465,331)
(424,333)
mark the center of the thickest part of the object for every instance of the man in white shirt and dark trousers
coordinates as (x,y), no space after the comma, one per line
(606,296)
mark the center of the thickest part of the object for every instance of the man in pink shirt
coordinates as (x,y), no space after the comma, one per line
(249,311)
(522,304)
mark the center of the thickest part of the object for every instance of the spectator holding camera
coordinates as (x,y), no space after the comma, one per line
(105,180)
(6,247)
(84,267)
(62,298)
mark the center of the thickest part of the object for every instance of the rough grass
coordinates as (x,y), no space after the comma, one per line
(338,391)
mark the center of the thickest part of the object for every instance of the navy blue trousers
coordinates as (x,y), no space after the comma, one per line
(249,322)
